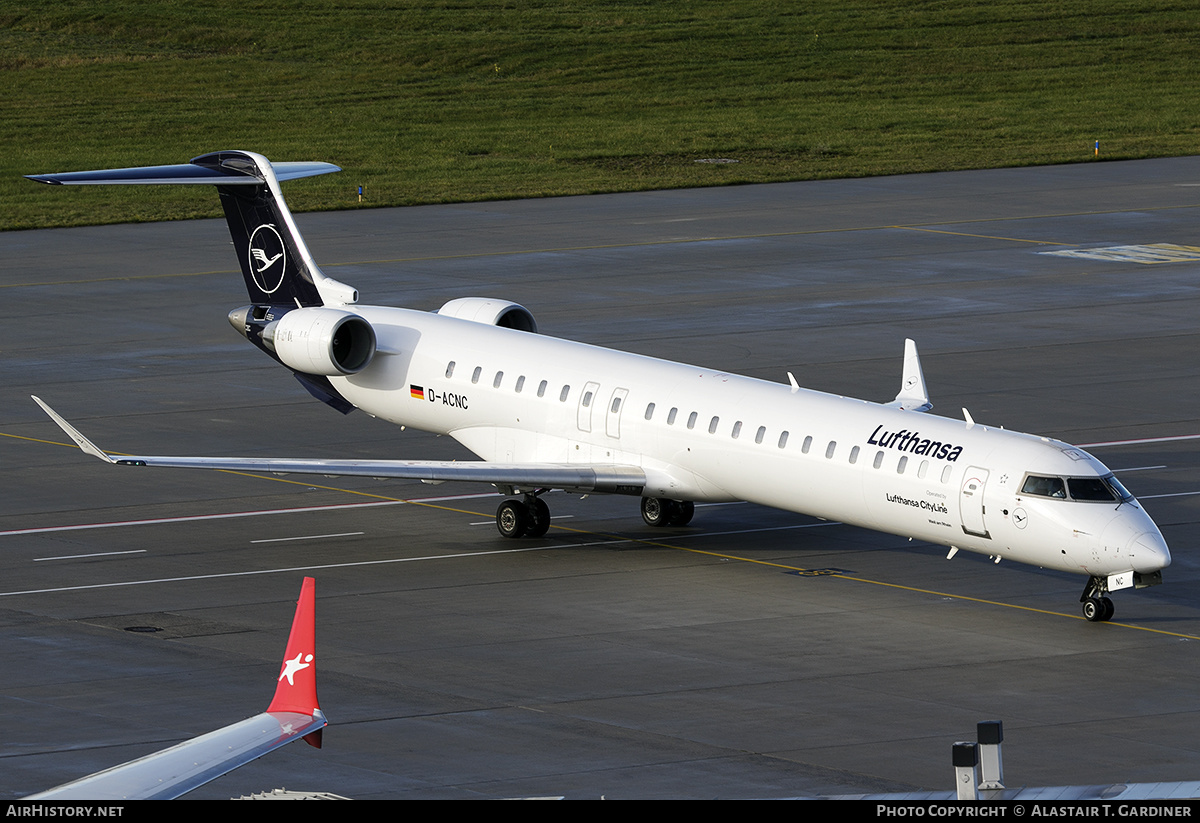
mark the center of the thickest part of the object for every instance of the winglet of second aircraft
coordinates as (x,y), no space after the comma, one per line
(296,689)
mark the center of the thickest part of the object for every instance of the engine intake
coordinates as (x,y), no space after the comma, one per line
(321,341)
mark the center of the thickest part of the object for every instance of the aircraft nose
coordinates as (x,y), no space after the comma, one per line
(1149,552)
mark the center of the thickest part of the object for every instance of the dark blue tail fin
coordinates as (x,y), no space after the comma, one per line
(276,264)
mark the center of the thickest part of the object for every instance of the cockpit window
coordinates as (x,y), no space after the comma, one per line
(1044,486)
(1105,489)
(1089,488)
(1118,489)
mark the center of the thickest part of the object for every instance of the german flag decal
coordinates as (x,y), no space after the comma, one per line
(417,392)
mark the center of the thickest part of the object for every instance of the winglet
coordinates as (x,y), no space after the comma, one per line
(179,769)
(913,395)
(296,689)
(81,441)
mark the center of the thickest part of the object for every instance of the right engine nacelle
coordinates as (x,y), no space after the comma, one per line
(492,312)
(321,341)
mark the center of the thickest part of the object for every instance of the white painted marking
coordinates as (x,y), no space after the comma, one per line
(1174,494)
(1147,254)
(1137,469)
(322,567)
(1138,441)
(272,571)
(97,554)
(197,517)
(305,537)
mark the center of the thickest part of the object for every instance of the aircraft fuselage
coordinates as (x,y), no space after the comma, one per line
(702,435)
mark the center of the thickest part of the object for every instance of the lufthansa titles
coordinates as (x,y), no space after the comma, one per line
(913,443)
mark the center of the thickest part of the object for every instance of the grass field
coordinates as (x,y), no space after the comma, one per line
(451,101)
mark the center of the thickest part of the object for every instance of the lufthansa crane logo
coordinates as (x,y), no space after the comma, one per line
(267,258)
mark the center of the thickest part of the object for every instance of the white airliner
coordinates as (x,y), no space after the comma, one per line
(544,413)
(292,715)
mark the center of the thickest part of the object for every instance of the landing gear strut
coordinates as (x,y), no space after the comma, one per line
(658,511)
(1096,607)
(529,517)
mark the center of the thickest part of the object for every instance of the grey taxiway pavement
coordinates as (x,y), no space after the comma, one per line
(608,659)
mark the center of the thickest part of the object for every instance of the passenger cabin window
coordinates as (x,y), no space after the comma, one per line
(946,474)
(806,445)
(616,405)
(712,425)
(692,419)
(922,469)
(671,417)
(520,383)
(830,449)
(737,429)
(762,431)
(450,369)
(1044,486)
(783,436)
(854,455)
(562,395)
(496,382)
(649,411)
(878,459)
(587,399)
(542,389)
(902,465)
(475,374)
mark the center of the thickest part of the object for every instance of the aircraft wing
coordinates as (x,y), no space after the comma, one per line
(598,478)
(293,714)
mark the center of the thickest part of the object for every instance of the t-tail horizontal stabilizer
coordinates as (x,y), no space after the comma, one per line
(167,774)
(276,263)
(913,395)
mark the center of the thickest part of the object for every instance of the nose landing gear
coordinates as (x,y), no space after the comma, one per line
(1096,607)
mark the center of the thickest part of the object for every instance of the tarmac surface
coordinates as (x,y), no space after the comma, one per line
(608,659)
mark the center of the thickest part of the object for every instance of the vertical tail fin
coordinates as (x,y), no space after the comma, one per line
(913,396)
(296,688)
(276,264)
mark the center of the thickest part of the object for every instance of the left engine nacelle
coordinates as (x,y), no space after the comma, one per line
(321,341)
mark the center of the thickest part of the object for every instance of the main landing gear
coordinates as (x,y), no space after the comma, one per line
(529,517)
(658,511)
(1096,607)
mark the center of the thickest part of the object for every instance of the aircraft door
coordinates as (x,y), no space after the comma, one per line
(587,400)
(970,502)
(616,404)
